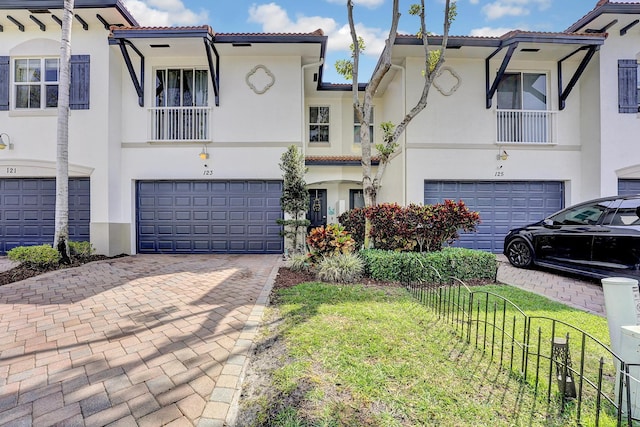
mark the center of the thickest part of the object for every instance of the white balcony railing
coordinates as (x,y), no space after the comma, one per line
(179,123)
(526,126)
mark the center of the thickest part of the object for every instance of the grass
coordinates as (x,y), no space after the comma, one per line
(359,356)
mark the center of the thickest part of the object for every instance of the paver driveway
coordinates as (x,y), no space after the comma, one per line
(142,340)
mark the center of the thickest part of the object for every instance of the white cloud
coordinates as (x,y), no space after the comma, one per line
(274,19)
(165,13)
(489,31)
(474,1)
(502,8)
(370,4)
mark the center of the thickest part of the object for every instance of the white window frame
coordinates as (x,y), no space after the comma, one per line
(521,73)
(42,83)
(326,124)
(356,127)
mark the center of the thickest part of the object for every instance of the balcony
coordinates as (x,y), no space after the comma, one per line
(525,127)
(179,124)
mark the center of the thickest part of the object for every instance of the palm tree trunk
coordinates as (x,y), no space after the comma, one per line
(61,237)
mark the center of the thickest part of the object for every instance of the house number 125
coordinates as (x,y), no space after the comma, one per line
(12,170)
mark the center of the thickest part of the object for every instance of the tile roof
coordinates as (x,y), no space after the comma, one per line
(338,160)
(317,32)
(190,28)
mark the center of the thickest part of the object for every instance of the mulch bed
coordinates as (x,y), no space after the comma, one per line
(23,271)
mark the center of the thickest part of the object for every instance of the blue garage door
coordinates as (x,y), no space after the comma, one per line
(502,206)
(27,211)
(209,217)
(628,187)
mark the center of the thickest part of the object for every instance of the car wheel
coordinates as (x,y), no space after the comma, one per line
(519,253)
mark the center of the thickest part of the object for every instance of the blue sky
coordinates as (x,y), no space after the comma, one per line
(372,17)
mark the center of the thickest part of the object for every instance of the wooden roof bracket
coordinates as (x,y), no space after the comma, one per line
(564,94)
(213,70)
(138,84)
(492,87)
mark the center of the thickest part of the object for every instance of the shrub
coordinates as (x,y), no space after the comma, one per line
(341,268)
(415,227)
(300,262)
(353,222)
(430,267)
(435,225)
(389,228)
(34,256)
(80,249)
(328,241)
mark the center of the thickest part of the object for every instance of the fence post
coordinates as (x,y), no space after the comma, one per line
(562,359)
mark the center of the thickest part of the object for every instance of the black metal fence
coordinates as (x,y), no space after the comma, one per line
(562,362)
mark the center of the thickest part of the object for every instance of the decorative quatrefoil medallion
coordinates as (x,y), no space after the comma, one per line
(447,81)
(260,79)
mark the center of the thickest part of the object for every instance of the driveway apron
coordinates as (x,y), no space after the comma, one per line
(145,340)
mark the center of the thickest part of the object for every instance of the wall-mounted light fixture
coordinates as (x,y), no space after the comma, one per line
(502,155)
(6,144)
(204,155)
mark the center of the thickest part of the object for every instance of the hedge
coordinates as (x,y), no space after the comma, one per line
(464,264)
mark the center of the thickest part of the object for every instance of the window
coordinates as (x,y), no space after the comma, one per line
(181,112)
(181,88)
(356,127)
(32,83)
(628,213)
(587,214)
(318,124)
(356,199)
(523,91)
(522,108)
(35,82)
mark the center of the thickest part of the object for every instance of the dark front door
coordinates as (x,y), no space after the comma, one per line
(317,212)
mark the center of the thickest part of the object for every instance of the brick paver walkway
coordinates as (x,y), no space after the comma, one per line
(572,291)
(146,340)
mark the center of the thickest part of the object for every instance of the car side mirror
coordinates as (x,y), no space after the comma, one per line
(547,222)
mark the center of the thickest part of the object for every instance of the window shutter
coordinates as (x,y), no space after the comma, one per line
(79,91)
(4,83)
(627,86)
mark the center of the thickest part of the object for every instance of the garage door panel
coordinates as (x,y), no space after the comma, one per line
(183,215)
(502,205)
(27,211)
(229,213)
(628,187)
(164,201)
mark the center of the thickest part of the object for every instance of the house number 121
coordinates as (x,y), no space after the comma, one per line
(12,170)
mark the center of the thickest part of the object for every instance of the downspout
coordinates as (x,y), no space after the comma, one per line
(302,100)
(404,135)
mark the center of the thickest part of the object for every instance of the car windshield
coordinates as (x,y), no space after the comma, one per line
(587,214)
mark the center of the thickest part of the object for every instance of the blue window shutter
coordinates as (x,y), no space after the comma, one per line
(4,83)
(627,86)
(79,91)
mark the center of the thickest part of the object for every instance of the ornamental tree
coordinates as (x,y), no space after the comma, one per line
(433,60)
(295,198)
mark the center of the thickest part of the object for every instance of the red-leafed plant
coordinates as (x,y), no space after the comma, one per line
(330,240)
(415,227)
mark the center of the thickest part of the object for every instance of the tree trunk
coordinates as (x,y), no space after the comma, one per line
(61,236)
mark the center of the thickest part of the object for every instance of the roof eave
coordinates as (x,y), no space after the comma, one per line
(617,8)
(78,4)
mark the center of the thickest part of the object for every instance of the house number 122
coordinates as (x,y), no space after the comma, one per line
(12,170)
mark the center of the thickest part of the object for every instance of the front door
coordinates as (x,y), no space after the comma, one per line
(317,212)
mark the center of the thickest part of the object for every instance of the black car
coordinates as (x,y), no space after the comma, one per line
(599,238)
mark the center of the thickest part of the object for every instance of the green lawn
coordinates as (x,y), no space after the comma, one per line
(361,356)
